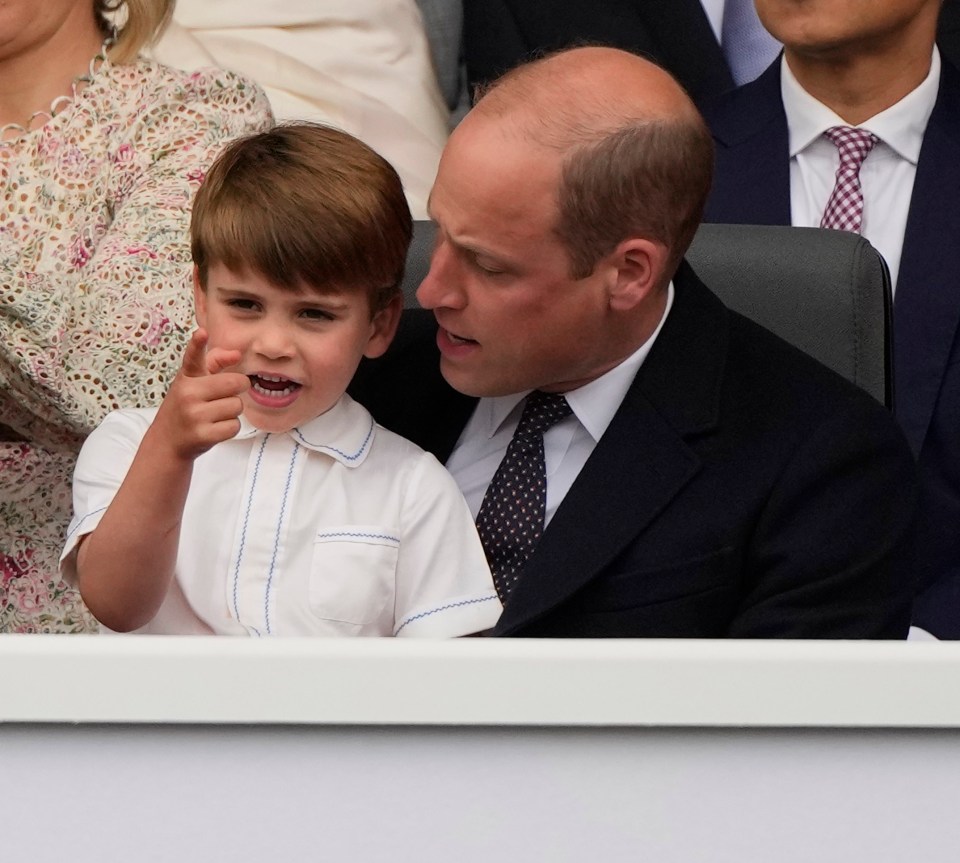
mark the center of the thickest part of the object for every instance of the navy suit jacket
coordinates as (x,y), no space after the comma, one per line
(498,34)
(752,186)
(741,490)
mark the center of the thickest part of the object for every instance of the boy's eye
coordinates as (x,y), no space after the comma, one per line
(316,314)
(240,303)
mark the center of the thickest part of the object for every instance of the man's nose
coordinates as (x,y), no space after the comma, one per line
(440,288)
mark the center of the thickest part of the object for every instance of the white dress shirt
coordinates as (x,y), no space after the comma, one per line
(567,445)
(887,174)
(339,527)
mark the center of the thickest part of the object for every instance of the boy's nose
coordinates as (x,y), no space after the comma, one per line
(273,340)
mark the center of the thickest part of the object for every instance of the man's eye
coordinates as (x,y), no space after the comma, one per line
(489,269)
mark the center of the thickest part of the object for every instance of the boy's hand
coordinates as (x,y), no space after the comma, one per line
(203,404)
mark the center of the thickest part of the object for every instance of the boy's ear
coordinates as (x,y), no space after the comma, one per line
(199,299)
(383,327)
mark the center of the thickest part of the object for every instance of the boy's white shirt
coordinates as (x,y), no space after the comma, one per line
(284,534)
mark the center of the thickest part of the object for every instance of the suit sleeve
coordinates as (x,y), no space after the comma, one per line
(833,549)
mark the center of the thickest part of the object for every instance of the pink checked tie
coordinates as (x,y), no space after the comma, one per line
(511,516)
(844,210)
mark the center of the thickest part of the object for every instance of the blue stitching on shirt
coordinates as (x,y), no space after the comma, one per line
(276,538)
(395,539)
(243,533)
(82,520)
(443,608)
(340,452)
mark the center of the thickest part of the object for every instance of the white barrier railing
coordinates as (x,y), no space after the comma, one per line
(479,682)
(478,751)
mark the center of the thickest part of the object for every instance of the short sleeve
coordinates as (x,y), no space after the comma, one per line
(444,588)
(103,463)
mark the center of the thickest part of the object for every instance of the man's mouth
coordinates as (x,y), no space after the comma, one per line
(459,340)
(273,386)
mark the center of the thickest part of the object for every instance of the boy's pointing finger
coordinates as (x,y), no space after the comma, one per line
(194,364)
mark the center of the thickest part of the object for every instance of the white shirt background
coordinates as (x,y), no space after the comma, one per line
(363,66)
(887,173)
(567,445)
(336,528)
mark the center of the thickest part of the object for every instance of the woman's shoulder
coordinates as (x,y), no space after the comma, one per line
(154,87)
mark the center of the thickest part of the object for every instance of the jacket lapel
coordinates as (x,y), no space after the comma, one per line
(927,303)
(687,45)
(641,462)
(751,184)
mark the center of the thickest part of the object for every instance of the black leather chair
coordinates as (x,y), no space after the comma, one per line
(826,292)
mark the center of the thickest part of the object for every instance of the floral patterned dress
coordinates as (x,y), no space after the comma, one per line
(95,292)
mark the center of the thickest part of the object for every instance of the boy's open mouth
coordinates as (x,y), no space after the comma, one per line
(273,386)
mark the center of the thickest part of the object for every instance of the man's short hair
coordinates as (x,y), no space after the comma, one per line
(649,178)
(625,172)
(304,204)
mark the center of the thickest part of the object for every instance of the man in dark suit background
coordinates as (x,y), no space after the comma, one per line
(871,65)
(948,31)
(703,478)
(683,36)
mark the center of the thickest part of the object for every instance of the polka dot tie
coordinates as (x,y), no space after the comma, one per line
(511,516)
(844,210)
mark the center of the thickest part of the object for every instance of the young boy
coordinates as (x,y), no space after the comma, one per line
(259,498)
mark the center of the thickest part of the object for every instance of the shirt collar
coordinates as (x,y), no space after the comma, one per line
(900,127)
(345,432)
(594,404)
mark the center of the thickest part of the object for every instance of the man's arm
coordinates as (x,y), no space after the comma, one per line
(832,554)
(124,567)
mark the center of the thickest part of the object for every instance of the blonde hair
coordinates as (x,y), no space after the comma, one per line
(138,23)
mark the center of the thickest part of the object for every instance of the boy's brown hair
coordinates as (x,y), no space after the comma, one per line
(304,204)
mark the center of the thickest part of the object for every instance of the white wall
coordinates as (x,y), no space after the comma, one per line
(695,760)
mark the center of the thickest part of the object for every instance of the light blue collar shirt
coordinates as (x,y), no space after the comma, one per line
(567,445)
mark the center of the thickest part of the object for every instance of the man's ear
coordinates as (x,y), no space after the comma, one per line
(640,266)
(199,299)
(383,328)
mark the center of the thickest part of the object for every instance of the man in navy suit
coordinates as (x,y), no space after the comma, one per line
(680,35)
(707,480)
(871,65)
